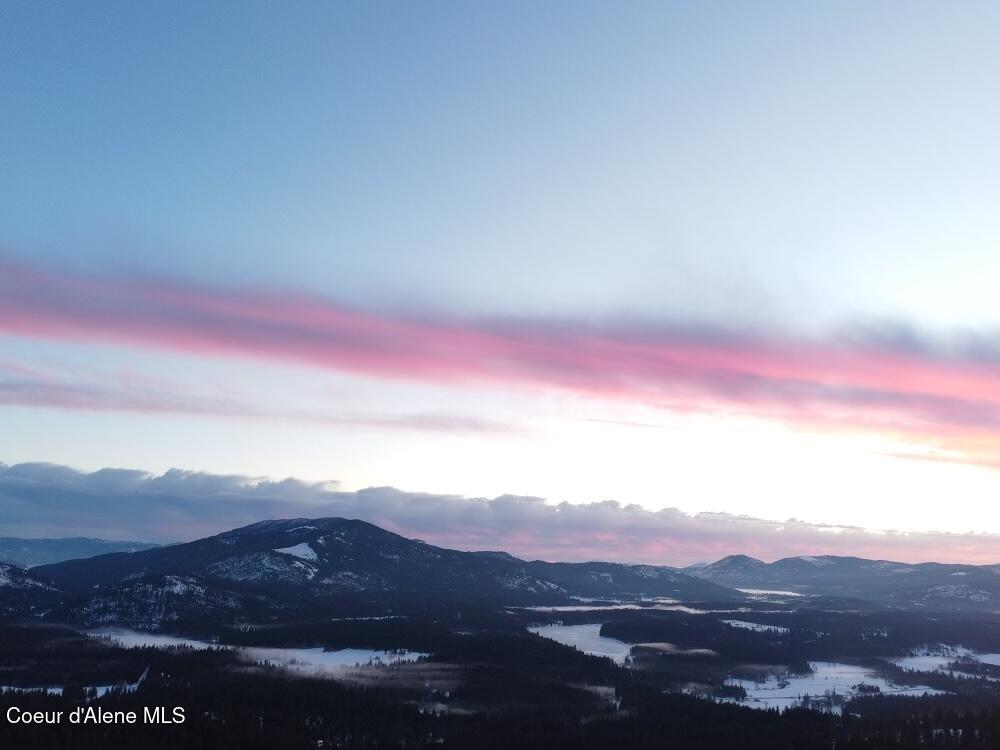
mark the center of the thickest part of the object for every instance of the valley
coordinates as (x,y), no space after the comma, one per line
(457,639)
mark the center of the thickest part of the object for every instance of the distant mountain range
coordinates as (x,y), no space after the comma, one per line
(27,553)
(339,555)
(280,570)
(901,584)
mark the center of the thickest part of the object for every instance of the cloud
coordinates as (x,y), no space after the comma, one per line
(145,396)
(50,500)
(890,380)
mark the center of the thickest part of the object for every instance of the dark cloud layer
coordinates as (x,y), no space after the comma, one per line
(40,499)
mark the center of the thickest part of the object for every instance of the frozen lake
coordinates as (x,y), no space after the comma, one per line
(586,638)
(827,677)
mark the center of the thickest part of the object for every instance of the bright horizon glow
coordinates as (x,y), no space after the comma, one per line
(179,505)
(558,442)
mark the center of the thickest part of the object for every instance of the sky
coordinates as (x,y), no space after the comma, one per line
(689,258)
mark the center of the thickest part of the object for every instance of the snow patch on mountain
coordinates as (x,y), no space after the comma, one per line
(183,586)
(154,602)
(955,591)
(309,570)
(819,562)
(651,571)
(351,581)
(303,551)
(263,566)
(520,582)
(15,578)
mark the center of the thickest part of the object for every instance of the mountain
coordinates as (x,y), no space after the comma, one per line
(27,553)
(281,570)
(612,580)
(740,570)
(23,592)
(153,601)
(325,556)
(15,578)
(935,585)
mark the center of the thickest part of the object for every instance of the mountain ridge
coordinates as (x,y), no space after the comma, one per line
(329,555)
(30,552)
(923,584)
(281,569)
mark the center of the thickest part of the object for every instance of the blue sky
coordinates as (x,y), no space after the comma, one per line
(797,178)
(712,159)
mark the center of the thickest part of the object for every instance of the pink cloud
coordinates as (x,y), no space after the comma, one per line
(135,393)
(945,400)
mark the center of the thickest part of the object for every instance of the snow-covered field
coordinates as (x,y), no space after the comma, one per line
(100,690)
(773,692)
(937,658)
(136,639)
(311,660)
(756,626)
(586,638)
(768,592)
(606,607)
(318,661)
(827,678)
(50,689)
(923,663)
(582,607)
